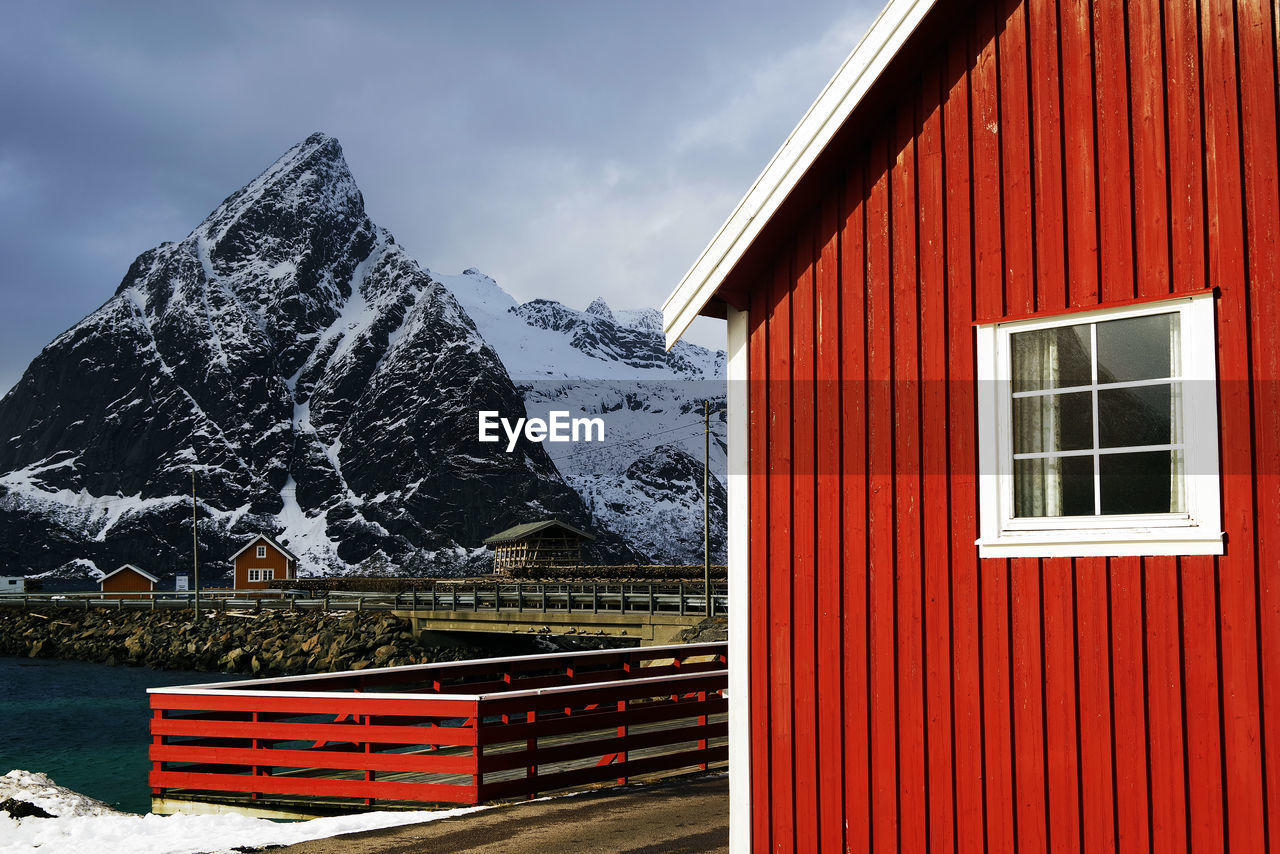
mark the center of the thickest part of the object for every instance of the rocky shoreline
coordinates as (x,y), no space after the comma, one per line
(272,643)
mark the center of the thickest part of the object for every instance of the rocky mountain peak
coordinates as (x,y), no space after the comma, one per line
(318,382)
(600,308)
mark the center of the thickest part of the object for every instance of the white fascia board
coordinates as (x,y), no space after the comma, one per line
(138,570)
(739,548)
(837,102)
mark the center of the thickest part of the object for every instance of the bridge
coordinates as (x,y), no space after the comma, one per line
(652,613)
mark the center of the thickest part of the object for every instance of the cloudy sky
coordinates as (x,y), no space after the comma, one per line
(568,148)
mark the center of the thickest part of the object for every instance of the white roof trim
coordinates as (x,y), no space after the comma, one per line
(120,569)
(290,555)
(836,103)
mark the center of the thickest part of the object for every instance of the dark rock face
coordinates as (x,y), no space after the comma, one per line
(15,808)
(321,385)
(272,643)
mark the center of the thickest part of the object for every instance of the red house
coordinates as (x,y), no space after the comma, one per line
(261,561)
(1004,340)
(127,582)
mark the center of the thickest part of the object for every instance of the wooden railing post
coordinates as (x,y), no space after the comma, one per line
(622,733)
(531,745)
(702,722)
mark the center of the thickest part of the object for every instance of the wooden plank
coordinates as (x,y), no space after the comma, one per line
(989,282)
(333,760)
(1079,172)
(354,704)
(1237,571)
(855,626)
(970,811)
(644,713)
(935,501)
(317,787)
(1259,41)
(1017,185)
(1062,771)
(602,744)
(781,663)
(585,776)
(1164,705)
(333,733)
(1129,694)
(1196,577)
(881,566)
(759,556)
(1047,158)
(1057,640)
(1093,676)
(829,570)
(1115,182)
(805,707)
(906,553)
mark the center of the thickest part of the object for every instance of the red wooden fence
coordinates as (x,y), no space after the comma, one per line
(458,733)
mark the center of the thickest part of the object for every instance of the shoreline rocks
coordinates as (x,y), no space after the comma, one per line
(271,643)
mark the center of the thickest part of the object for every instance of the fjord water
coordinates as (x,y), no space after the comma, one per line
(84,725)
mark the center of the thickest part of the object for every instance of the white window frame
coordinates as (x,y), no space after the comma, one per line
(262,575)
(1198,530)
(262,551)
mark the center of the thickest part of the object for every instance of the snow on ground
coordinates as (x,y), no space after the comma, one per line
(82,824)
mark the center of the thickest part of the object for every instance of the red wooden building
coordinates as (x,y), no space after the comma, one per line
(1004,336)
(261,561)
(127,582)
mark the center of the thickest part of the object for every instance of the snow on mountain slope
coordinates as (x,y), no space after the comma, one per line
(609,364)
(319,384)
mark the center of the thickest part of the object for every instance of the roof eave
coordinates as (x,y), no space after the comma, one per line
(843,93)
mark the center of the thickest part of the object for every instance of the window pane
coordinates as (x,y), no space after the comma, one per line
(1138,483)
(1136,348)
(1055,422)
(1057,486)
(1135,416)
(1052,358)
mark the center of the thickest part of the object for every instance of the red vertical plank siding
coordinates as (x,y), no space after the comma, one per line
(1202,739)
(1046,155)
(965,643)
(905,362)
(1151,212)
(1017,181)
(760,557)
(993,580)
(1236,570)
(831,665)
(855,627)
(935,493)
(782,765)
(882,658)
(803,629)
(1259,42)
(1062,772)
(1116,212)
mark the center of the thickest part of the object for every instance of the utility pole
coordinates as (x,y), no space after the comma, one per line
(706,504)
(195,559)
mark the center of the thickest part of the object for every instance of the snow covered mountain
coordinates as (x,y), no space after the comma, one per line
(644,481)
(320,385)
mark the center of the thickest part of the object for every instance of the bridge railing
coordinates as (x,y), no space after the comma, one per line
(683,598)
(456,732)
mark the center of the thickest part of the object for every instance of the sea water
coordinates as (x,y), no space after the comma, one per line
(84,725)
